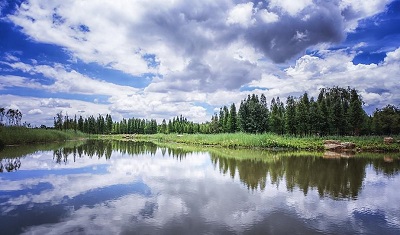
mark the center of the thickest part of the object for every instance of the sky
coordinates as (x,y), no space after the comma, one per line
(165,58)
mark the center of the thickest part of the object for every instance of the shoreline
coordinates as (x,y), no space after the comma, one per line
(262,141)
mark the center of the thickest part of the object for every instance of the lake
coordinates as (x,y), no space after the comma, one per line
(117,187)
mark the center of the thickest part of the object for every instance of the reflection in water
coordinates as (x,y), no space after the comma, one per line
(340,178)
(10,165)
(119,187)
(104,149)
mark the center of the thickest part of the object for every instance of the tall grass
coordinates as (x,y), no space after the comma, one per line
(22,135)
(265,141)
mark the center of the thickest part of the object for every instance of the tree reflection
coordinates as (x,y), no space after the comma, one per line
(334,177)
(104,149)
(10,164)
(338,178)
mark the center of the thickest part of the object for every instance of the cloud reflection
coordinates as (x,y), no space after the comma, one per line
(145,189)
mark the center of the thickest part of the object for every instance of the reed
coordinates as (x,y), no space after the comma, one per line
(264,141)
(22,135)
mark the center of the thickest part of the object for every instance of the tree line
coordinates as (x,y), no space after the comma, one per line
(10,117)
(336,111)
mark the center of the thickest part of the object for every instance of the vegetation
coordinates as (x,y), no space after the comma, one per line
(262,141)
(16,135)
(336,111)
(11,117)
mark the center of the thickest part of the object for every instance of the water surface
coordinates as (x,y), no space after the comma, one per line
(138,188)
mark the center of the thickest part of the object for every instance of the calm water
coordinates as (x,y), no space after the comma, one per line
(138,188)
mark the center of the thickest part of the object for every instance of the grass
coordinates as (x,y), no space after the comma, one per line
(263,141)
(22,135)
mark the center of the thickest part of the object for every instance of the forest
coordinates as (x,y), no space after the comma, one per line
(336,111)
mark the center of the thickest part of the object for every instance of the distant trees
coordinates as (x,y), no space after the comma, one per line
(336,111)
(253,115)
(10,117)
(135,126)
(386,121)
(91,125)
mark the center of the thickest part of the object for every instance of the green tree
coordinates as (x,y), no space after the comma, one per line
(356,112)
(252,115)
(80,124)
(232,119)
(302,115)
(290,117)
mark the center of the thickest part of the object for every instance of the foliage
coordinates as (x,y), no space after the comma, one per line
(14,135)
(264,141)
(337,111)
(12,117)
(386,121)
(253,115)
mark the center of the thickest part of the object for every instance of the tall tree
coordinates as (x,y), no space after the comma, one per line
(290,117)
(226,120)
(233,119)
(252,115)
(302,115)
(2,114)
(109,123)
(356,112)
(80,124)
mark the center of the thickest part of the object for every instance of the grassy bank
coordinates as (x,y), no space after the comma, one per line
(21,135)
(265,141)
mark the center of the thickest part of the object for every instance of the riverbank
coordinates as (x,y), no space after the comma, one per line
(22,135)
(263,141)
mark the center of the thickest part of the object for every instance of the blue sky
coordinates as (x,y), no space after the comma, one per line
(160,60)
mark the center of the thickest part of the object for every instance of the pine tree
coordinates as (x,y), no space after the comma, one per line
(290,117)
(163,128)
(80,124)
(356,112)
(232,119)
(302,115)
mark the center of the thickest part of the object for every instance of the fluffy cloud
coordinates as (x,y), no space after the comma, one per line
(35,111)
(203,52)
(377,83)
(241,14)
(179,32)
(64,80)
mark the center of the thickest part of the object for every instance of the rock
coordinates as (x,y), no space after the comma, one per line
(331,142)
(388,140)
(348,145)
(335,145)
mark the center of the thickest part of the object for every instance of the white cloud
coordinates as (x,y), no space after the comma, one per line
(335,68)
(200,53)
(393,56)
(292,7)
(268,17)
(69,81)
(359,9)
(241,14)
(50,107)
(35,111)
(17,81)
